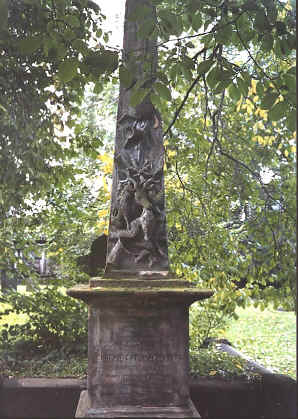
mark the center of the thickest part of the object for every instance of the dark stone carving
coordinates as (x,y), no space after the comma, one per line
(137,238)
(95,261)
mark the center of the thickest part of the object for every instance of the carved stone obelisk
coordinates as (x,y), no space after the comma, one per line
(138,312)
(137,236)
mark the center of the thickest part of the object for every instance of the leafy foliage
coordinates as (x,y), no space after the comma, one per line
(203,42)
(213,362)
(53,319)
(46,61)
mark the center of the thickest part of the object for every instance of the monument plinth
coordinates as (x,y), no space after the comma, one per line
(137,348)
(138,313)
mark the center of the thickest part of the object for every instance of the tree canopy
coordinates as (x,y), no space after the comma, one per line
(226,90)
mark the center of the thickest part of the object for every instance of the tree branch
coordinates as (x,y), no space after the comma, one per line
(215,118)
(177,113)
(182,104)
(185,188)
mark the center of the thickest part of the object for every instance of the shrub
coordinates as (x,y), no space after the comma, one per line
(54,319)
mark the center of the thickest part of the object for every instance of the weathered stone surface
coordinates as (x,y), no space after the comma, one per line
(275,396)
(119,412)
(39,398)
(136,295)
(137,238)
(95,261)
(140,283)
(138,347)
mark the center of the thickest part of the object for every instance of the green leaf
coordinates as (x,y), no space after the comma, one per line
(213,77)
(61,50)
(186,71)
(205,66)
(260,89)
(155,99)
(224,35)
(137,96)
(225,75)
(80,46)
(73,21)
(269,100)
(261,20)
(126,76)
(234,92)
(98,88)
(280,27)
(111,60)
(102,61)
(222,85)
(3,14)
(291,120)
(69,35)
(67,70)
(243,86)
(290,81)
(292,70)
(146,29)
(207,40)
(196,21)
(163,90)
(171,22)
(29,45)
(267,42)
(278,111)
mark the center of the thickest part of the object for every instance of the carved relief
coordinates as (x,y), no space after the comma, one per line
(137,237)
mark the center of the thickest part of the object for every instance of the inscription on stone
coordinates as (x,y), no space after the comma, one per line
(138,357)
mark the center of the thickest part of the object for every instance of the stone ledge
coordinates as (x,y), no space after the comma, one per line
(138,283)
(274,397)
(188,294)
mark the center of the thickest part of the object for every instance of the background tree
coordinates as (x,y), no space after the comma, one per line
(49,52)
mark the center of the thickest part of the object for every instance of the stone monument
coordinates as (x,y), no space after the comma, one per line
(138,311)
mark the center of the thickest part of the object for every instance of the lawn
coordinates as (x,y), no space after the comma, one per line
(268,337)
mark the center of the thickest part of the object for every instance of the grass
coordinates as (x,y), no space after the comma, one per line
(53,364)
(268,337)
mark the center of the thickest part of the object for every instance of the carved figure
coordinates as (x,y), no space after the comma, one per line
(137,228)
(137,238)
(149,247)
(145,111)
(123,209)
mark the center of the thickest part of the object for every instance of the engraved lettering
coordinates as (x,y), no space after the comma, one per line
(138,357)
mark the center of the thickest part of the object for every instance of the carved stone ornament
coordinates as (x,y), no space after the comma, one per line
(137,238)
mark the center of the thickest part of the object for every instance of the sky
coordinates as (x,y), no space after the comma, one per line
(114,12)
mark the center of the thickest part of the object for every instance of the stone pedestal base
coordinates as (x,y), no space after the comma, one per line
(137,348)
(84,410)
